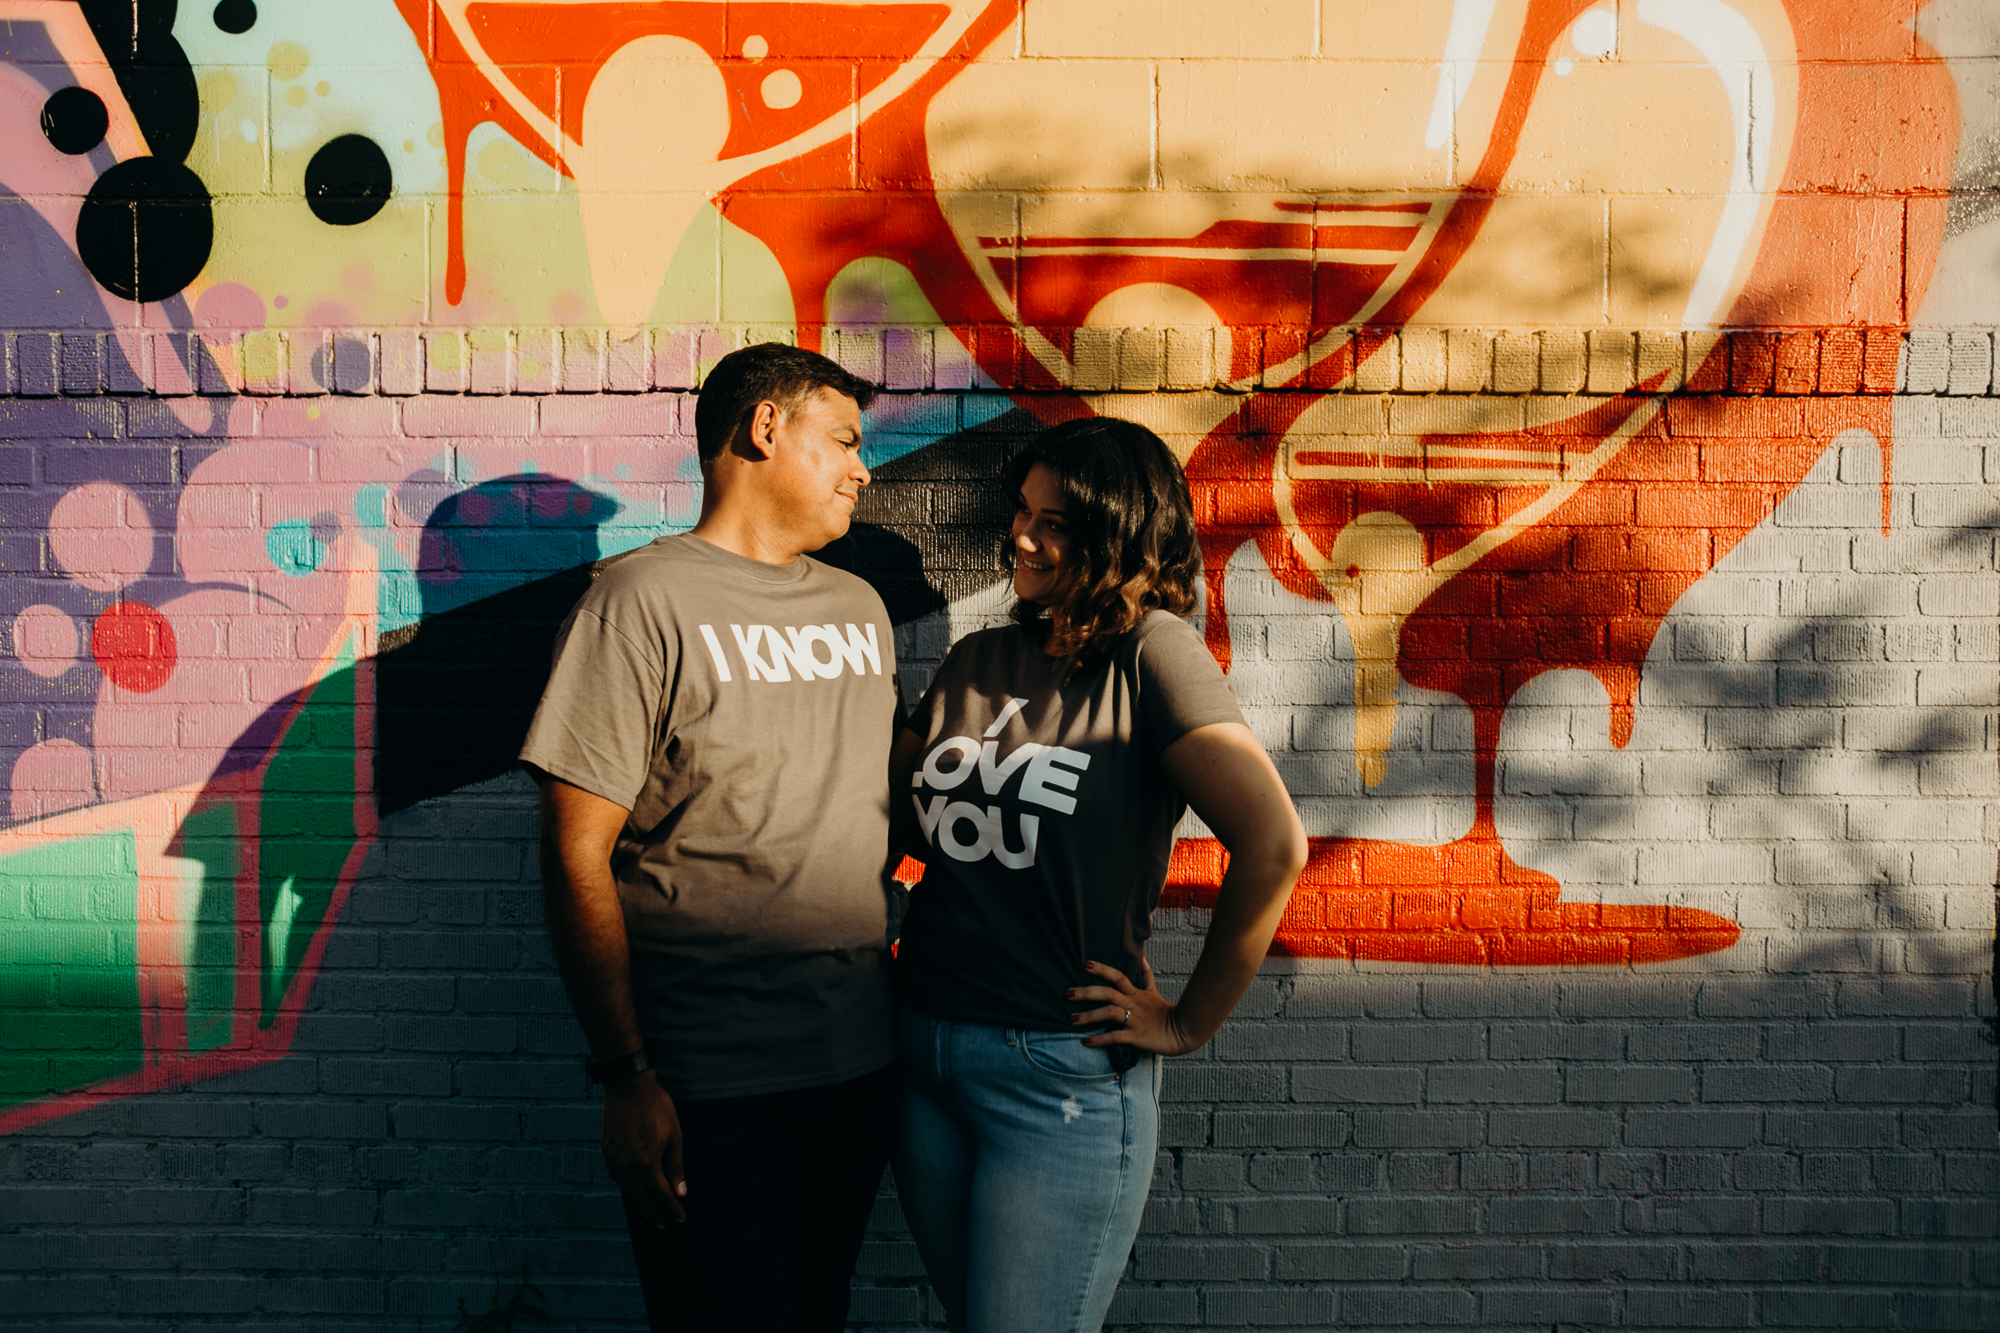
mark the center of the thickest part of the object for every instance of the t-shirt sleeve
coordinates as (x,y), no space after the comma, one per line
(594,728)
(1180,685)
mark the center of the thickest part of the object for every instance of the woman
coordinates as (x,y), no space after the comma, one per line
(1047,767)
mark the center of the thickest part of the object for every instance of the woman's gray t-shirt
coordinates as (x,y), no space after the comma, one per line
(1046,821)
(743,713)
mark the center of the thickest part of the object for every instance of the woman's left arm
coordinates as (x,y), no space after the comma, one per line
(1231,783)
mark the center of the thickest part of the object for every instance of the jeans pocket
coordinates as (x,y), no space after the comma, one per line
(1063,1055)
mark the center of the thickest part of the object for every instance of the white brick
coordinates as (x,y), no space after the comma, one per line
(1516,362)
(1950,464)
(1940,821)
(1698,864)
(1423,359)
(1969,687)
(1971,367)
(1925,362)
(1944,595)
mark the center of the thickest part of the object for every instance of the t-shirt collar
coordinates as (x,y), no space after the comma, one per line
(743,564)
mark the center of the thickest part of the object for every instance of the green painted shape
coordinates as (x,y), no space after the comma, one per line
(306,828)
(208,846)
(69,965)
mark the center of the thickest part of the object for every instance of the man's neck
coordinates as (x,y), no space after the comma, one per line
(741,529)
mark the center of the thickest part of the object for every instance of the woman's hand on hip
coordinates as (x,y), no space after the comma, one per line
(1141,1017)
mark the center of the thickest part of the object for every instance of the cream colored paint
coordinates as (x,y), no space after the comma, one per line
(657,111)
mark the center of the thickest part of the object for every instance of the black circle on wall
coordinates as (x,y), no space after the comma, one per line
(74,120)
(145,229)
(236,15)
(347,181)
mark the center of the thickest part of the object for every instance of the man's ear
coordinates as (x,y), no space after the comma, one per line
(760,431)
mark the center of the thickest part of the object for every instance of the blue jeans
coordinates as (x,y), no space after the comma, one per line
(1023,1164)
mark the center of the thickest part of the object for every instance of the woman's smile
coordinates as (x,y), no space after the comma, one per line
(1041,539)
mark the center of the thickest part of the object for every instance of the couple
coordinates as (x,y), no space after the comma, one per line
(721,748)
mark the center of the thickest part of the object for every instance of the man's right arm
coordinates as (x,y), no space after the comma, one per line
(642,1133)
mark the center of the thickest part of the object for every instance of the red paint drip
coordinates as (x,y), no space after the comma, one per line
(551,53)
(134,647)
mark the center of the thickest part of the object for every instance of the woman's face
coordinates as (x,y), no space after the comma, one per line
(1041,539)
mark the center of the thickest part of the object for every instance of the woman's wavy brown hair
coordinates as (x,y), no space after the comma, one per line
(1131,532)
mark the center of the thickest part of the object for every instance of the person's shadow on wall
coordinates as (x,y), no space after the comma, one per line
(499,568)
(454,693)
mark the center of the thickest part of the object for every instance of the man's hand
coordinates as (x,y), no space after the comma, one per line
(642,1131)
(642,1147)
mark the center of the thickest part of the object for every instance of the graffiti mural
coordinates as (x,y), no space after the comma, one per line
(239,614)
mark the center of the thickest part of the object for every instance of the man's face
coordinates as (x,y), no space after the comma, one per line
(819,473)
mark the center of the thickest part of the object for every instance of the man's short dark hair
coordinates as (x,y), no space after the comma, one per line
(766,373)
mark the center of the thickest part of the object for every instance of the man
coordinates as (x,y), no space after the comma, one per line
(713,751)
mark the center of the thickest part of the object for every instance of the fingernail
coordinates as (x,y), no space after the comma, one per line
(1069,995)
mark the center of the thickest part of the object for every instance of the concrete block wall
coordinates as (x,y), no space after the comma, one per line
(1592,426)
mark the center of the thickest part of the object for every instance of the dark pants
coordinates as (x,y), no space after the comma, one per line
(779,1188)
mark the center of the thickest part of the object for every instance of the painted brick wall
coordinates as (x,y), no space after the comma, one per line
(1594,426)
(1800,1131)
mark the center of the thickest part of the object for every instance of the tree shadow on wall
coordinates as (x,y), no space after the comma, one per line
(1805,754)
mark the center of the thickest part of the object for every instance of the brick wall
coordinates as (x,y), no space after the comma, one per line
(1591,415)
(1797,1130)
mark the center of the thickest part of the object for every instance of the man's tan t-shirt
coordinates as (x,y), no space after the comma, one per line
(743,713)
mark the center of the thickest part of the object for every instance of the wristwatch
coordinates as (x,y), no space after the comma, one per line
(618,1068)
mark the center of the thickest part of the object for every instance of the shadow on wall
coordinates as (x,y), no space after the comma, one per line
(455,692)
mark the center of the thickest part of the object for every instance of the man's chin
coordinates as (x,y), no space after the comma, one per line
(835,530)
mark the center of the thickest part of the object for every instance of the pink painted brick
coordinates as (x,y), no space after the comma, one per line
(447,361)
(649,458)
(607,414)
(439,415)
(171,357)
(535,361)
(400,367)
(379,461)
(709,346)
(308,361)
(628,362)
(209,507)
(582,360)
(548,456)
(303,418)
(489,348)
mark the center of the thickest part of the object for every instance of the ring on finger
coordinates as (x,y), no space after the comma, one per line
(1128,1016)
